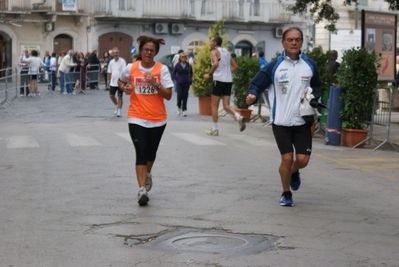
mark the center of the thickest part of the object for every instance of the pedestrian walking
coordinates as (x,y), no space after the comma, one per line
(150,84)
(183,74)
(115,69)
(289,76)
(223,65)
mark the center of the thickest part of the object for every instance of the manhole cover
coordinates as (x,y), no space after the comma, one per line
(207,242)
(196,240)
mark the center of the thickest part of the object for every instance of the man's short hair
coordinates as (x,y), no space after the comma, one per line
(261,54)
(218,40)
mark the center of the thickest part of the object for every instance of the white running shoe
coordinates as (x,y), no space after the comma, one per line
(142,197)
(148,184)
(118,113)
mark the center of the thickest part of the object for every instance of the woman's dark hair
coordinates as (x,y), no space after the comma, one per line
(53,54)
(143,39)
(34,53)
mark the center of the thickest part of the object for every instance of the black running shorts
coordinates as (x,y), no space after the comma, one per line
(290,137)
(221,88)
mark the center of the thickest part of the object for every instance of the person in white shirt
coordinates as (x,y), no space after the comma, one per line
(34,63)
(65,78)
(115,68)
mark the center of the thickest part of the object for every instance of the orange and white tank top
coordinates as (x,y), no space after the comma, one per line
(145,102)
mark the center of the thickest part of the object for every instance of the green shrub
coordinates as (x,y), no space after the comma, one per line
(357,75)
(248,67)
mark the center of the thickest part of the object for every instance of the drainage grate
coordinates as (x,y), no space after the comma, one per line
(196,240)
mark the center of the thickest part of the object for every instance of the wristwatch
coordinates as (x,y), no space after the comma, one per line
(158,86)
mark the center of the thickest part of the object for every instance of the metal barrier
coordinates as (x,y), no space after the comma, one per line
(8,82)
(381,116)
(263,101)
(93,75)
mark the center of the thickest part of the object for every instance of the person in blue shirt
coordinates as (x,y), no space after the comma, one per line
(262,61)
(288,78)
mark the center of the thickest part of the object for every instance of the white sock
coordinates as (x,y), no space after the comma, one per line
(215,126)
(237,116)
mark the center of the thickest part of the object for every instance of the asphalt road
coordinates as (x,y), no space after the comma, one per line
(68,194)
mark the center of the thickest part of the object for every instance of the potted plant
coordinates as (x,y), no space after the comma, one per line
(248,67)
(203,88)
(358,77)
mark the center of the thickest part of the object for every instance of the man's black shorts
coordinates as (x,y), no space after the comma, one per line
(114,89)
(290,137)
(221,88)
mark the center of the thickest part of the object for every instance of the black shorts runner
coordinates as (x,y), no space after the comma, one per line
(290,137)
(114,89)
(221,88)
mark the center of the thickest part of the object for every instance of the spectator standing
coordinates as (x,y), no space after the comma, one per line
(289,77)
(34,63)
(150,85)
(24,73)
(45,60)
(82,61)
(115,69)
(53,69)
(223,65)
(333,66)
(262,61)
(93,70)
(104,67)
(66,64)
(62,55)
(183,74)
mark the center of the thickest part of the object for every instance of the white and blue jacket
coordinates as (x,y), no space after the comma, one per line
(286,80)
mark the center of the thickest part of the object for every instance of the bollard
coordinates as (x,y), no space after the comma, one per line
(332,135)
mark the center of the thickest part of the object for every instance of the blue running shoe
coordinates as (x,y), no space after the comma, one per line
(285,201)
(295,181)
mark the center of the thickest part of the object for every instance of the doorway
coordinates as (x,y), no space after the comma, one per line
(62,42)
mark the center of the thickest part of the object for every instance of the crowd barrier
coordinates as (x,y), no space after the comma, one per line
(11,87)
(380,116)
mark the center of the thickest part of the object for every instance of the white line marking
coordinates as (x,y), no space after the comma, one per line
(255,141)
(21,142)
(81,140)
(125,136)
(199,140)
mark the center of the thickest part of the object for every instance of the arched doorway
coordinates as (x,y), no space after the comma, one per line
(115,39)
(243,48)
(5,52)
(62,42)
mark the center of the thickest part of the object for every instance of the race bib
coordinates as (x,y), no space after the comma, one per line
(144,87)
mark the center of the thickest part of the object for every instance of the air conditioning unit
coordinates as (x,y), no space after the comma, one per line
(176,28)
(278,32)
(49,26)
(161,28)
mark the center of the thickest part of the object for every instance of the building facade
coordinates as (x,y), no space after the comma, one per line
(350,19)
(86,25)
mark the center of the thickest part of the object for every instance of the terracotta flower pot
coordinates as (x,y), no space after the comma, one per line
(352,137)
(204,104)
(246,113)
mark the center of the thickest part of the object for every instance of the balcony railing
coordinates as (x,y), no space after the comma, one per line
(196,10)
